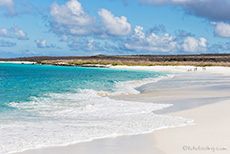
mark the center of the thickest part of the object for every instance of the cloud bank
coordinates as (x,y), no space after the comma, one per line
(71,19)
(165,43)
(217,10)
(108,32)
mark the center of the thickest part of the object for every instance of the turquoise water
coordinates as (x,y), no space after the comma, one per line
(19,82)
(53,105)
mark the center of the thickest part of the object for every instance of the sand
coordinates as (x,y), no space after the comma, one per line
(210,134)
(206,101)
(176,69)
(18,62)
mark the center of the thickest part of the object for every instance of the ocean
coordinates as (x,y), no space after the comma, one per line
(43,105)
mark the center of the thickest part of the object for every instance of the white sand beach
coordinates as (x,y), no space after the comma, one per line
(204,97)
(209,134)
(176,69)
(18,62)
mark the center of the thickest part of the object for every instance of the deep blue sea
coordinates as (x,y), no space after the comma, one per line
(52,105)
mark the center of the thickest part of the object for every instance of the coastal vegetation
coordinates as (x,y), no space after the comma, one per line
(201,60)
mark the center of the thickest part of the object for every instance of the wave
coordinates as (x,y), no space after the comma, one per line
(67,118)
(131,87)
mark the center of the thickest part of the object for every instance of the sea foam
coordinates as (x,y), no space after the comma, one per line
(66,118)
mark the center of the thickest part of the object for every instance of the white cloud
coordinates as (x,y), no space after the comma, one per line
(211,9)
(221,29)
(4,32)
(9,4)
(115,25)
(13,32)
(152,42)
(72,17)
(41,43)
(193,45)
(20,34)
(70,21)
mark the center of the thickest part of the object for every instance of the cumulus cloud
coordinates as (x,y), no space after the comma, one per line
(193,45)
(14,32)
(71,18)
(70,21)
(20,34)
(114,25)
(4,32)
(9,4)
(212,9)
(4,43)
(221,29)
(42,43)
(151,42)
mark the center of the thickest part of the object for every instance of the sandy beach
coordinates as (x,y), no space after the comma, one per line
(210,134)
(203,97)
(18,62)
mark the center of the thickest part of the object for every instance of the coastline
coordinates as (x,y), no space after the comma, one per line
(158,68)
(140,138)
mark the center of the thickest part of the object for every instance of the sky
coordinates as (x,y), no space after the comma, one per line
(113,27)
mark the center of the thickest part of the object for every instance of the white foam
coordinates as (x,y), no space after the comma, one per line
(130,87)
(60,119)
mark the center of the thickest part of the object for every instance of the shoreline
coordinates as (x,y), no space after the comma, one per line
(178,140)
(178,69)
(157,68)
(139,138)
(19,62)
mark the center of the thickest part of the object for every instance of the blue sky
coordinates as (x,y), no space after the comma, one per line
(113,27)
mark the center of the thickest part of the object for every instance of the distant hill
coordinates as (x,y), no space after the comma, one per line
(212,59)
